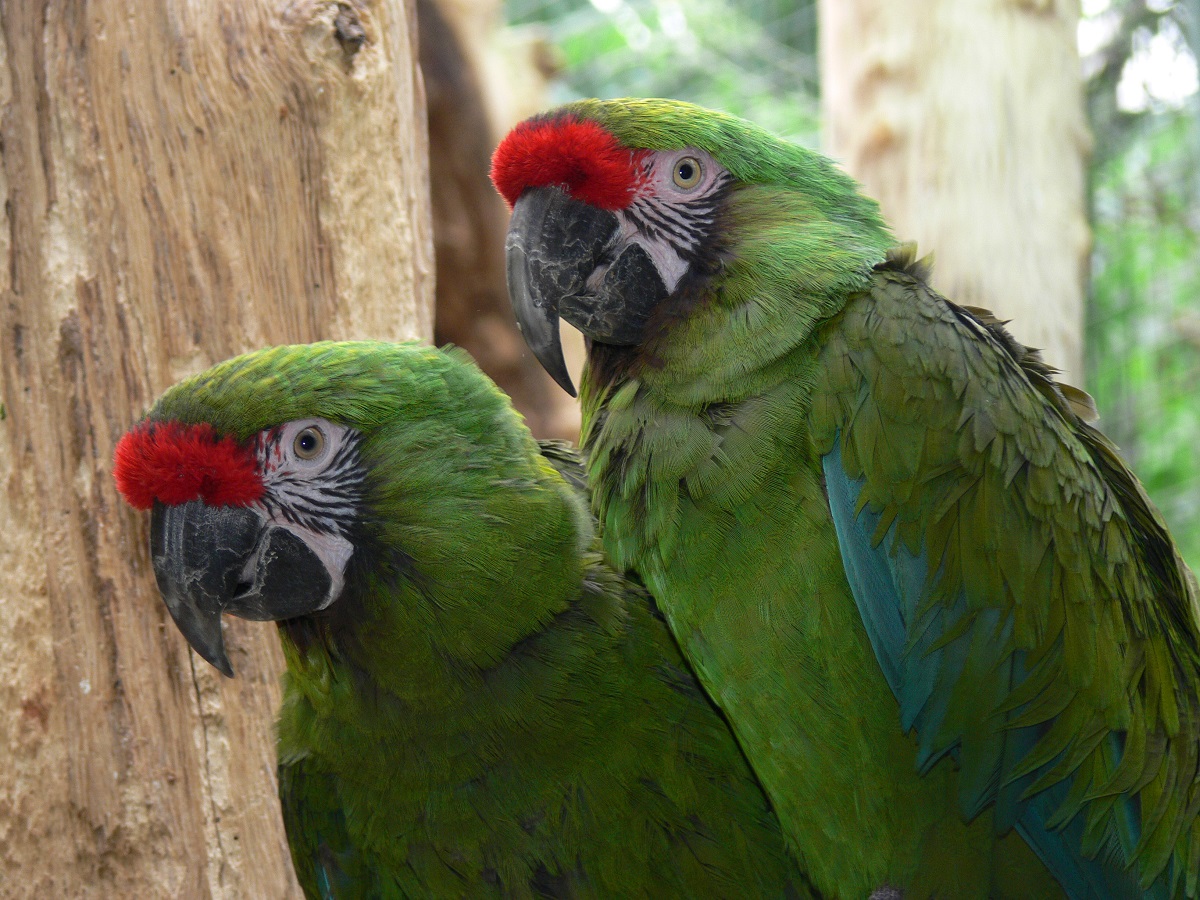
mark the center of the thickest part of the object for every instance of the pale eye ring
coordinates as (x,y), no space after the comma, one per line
(687,172)
(309,443)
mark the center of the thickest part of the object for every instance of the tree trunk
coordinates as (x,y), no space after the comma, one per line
(469,218)
(183,182)
(965,119)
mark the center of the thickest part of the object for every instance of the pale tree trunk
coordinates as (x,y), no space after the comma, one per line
(183,181)
(965,119)
(474,97)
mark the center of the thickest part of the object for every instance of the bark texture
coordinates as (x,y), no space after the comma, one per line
(469,218)
(182,181)
(965,119)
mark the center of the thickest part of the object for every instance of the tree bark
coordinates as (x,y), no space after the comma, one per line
(965,118)
(469,218)
(182,182)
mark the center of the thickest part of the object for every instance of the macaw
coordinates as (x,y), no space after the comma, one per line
(951,632)
(474,703)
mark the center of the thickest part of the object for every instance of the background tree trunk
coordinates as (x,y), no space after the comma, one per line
(965,119)
(469,219)
(182,182)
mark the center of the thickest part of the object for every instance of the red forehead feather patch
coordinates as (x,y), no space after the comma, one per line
(174,463)
(575,154)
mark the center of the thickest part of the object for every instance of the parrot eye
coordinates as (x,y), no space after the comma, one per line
(687,173)
(309,443)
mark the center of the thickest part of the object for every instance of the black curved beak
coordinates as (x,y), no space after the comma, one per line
(209,560)
(198,553)
(567,258)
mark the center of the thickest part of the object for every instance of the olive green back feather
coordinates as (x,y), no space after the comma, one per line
(969,450)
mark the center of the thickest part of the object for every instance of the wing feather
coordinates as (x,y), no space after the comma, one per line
(1023,596)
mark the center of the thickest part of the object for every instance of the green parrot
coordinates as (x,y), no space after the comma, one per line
(949,629)
(474,703)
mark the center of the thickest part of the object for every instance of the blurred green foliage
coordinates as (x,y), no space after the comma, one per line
(1143,325)
(758,60)
(1142,338)
(755,58)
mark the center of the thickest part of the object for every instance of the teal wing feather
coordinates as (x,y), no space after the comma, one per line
(1024,599)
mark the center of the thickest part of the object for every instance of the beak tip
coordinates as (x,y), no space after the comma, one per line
(220,662)
(548,351)
(551,358)
(210,647)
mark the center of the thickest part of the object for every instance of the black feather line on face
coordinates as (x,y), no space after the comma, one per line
(328,503)
(684,225)
(609,364)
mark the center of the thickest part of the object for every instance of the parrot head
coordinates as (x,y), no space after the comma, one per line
(259,528)
(622,209)
(278,481)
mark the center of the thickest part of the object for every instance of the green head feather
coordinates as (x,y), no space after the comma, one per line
(752,154)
